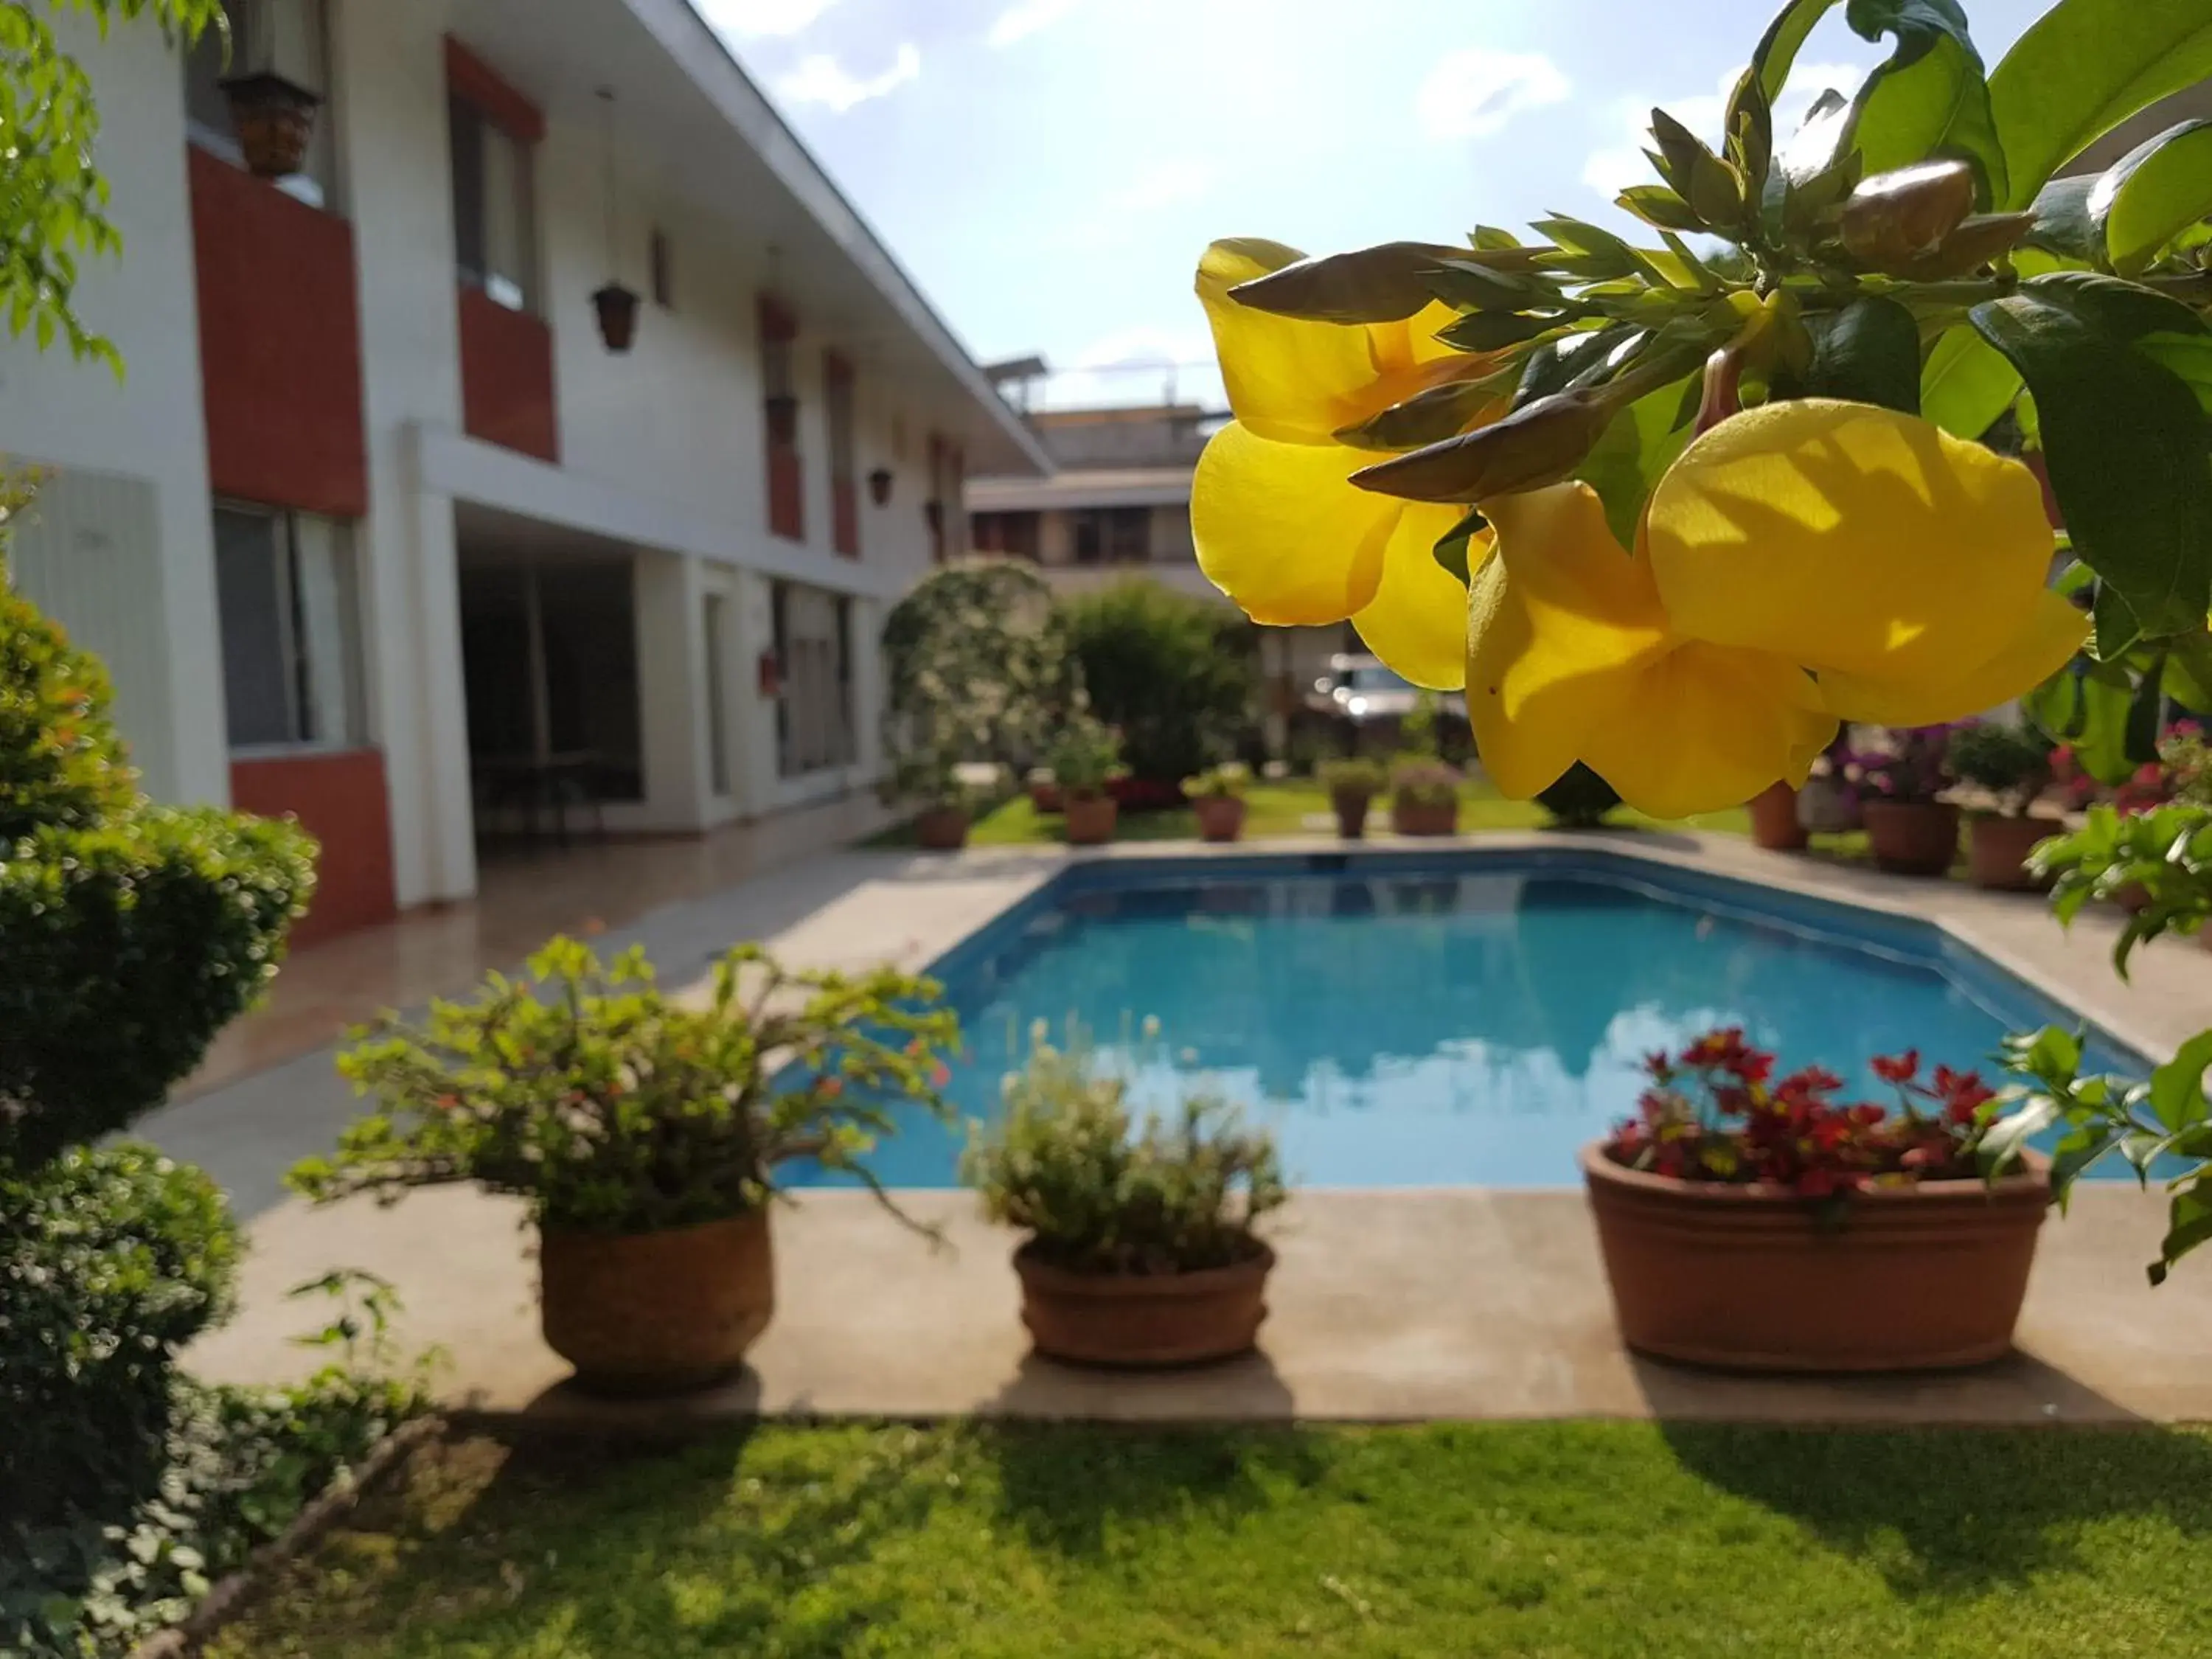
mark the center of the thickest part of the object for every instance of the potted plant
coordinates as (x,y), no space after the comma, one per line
(275,121)
(1775,823)
(616,309)
(1086,757)
(1580,799)
(929,774)
(2013,764)
(1910,831)
(643,1134)
(1424,796)
(1044,791)
(1352,783)
(1141,1249)
(1762,1223)
(1217,795)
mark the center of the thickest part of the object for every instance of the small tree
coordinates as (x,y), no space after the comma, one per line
(1175,675)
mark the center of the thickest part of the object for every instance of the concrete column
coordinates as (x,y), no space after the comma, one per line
(671,689)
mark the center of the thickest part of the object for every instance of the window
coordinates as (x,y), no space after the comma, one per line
(291,657)
(277,37)
(495,217)
(1112,535)
(787,499)
(814,704)
(1012,533)
(661,262)
(844,476)
(716,615)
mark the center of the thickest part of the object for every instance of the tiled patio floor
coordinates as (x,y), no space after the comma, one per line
(1458,1302)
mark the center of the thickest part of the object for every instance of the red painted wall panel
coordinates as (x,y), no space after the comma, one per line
(845,517)
(469,77)
(280,344)
(786,492)
(339,797)
(507,377)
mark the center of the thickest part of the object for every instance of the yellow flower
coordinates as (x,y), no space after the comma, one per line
(1799,564)
(1278,527)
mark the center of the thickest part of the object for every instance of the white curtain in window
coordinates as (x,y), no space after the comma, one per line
(330,667)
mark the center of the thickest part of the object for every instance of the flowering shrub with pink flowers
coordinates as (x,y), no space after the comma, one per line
(1913,766)
(613,1108)
(1717,1112)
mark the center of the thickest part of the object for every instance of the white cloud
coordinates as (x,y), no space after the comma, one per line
(1615,167)
(1025,17)
(1474,93)
(751,18)
(820,79)
(1165,184)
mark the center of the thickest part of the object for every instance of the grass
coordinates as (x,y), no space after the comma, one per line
(1587,1541)
(1296,807)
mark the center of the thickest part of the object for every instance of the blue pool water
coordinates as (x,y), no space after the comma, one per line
(1452,1019)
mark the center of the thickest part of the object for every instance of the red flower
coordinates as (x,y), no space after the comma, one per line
(1964,1093)
(1897,1068)
(940,1075)
(829,1087)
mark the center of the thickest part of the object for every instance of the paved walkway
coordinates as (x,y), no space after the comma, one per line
(1459,1303)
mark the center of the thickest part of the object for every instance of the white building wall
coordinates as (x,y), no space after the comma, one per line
(60,414)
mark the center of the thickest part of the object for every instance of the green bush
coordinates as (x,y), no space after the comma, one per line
(614,1109)
(1066,1162)
(2010,762)
(1580,799)
(60,761)
(1174,674)
(1352,774)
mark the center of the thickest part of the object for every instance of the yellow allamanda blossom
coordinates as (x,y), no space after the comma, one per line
(1278,525)
(1799,564)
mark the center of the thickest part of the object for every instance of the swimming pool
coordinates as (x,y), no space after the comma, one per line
(1455,1018)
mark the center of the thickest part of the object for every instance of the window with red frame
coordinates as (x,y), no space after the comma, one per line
(837,408)
(787,498)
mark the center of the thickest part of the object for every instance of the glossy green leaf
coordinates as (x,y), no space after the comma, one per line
(1658,206)
(1867,353)
(1933,106)
(2177,1088)
(1777,51)
(2084,67)
(2189,1223)
(1967,383)
(2125,443)
(1452,550)
(1640,444)
(2155,193)
(2088,707)
(2189,356)
(2065,223)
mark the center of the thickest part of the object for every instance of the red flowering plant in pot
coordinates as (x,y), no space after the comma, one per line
(1768,1223)
(1911,830)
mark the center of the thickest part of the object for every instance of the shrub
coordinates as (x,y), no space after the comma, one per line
(1085,758)
(1717,1112)
(1423,782)
(1580,799)
(2163,852)
(1228,780)
(1174,674)
(1354,774)
(1066,1162)
(614,1109)
(2011,762)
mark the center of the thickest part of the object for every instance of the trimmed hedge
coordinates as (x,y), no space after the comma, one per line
(1177,675)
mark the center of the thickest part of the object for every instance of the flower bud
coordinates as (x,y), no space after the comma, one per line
(1897,217)
(1536,445)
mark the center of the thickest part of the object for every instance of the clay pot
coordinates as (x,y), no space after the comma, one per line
(1774,821)
(274,120)
(1351,808)
(1828,806)
(616,309)
(1143,1319)
(1090,819)
(1424,817)
(1754,1278)
(1997,849)
(656,1313)
(1045,798)
(1220,818)
(1913,838)
(941,829)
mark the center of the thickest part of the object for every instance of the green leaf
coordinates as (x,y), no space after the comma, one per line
(1627,461)
(2124,442)
(2088,707)
(1936,105)
(1658,206)
(1868,352)
(2156,191)
(1452,550)
(1777,49)
(2189,1223)
(1966,384)
(2084,67)
(2177,1088)
(1426,416)
(2189,356)
(2065,222)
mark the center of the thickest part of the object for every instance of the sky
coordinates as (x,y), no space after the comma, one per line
(1049,171)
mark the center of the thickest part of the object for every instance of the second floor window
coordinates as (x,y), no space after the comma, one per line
(495,216)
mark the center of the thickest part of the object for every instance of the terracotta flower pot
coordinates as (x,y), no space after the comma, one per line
(1143,1319)
(1755,1278)
(1913,838)
(1409,816)
(1351,808)
(1090,819)
(941,829)
(1774,821)
(275,121)
(656,1313)
(1220,818)
(1045,798)
(1997,849)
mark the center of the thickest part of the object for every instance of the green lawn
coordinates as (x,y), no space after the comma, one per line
(1289,808)
(1541,1540)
